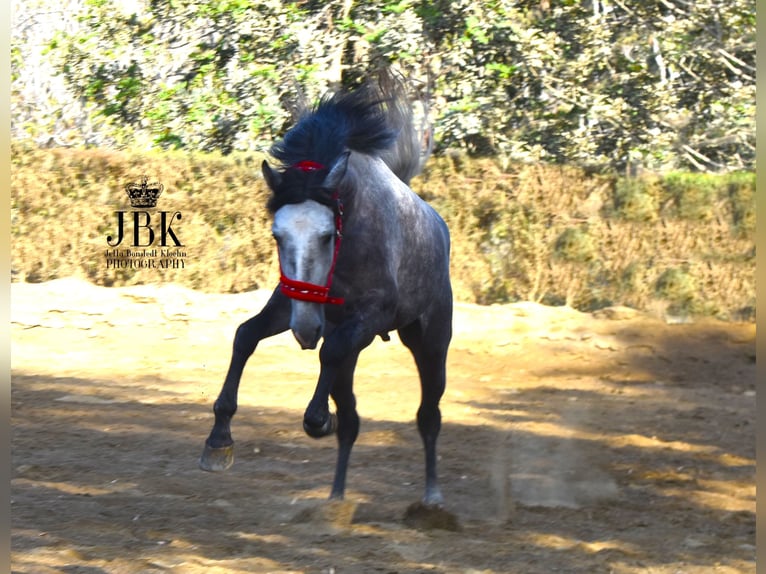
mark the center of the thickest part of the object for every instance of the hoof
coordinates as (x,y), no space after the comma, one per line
(328,428)
(216,459)
(430,517)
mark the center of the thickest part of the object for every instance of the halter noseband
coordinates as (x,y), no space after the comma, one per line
(311,292)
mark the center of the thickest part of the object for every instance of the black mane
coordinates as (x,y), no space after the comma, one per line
(374,119)
(353,120)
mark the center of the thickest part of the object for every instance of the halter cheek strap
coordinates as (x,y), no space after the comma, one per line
(312,292)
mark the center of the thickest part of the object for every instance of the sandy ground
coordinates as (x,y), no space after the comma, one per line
(572,443)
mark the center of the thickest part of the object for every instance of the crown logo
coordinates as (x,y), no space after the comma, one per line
(144,194)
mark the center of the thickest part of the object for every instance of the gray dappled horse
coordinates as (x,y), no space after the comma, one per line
(360,255)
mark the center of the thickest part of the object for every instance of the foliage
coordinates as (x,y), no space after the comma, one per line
(519,232)
(600,83)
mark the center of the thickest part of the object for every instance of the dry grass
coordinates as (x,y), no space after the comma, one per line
(559,236)
(682,244)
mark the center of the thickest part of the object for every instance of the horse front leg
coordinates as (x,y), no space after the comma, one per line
(342,345)
(338,357)
(342,393)
(274,318)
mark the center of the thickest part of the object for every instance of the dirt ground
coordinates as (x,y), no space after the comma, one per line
(571,442)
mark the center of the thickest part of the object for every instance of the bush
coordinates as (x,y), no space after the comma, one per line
(741,201)
(575,245)
(519,232)
(679,288)
(691,196)
(635,199)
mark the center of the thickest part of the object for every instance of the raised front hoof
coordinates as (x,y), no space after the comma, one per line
(329,427)
(217,459)
(430,517)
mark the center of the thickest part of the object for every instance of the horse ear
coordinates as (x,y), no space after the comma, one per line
(273,177)
(337,172)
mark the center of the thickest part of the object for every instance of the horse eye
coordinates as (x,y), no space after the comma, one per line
(326,238)
(277,238)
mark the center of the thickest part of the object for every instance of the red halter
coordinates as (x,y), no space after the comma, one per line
(309,291)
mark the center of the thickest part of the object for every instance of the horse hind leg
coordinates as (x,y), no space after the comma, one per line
(429,425)
(274,318)
(430,356)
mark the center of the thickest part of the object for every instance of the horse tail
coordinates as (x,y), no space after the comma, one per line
(413,143)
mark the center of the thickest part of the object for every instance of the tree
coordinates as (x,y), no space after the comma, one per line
(607,83)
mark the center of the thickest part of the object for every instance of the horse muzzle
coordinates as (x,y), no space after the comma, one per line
(308,339)
(307,324)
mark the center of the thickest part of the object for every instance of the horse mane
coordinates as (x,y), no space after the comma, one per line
(374,119)
(408,155)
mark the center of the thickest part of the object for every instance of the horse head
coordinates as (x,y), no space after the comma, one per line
(307,228)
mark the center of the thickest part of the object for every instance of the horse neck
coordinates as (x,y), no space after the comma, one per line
(371,186)
(380,207)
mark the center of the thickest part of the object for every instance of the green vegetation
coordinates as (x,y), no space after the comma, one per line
(601,84)
(552,234)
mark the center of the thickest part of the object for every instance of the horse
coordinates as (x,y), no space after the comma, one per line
(360,255)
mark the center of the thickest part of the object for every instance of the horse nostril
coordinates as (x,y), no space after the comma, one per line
(310,341)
